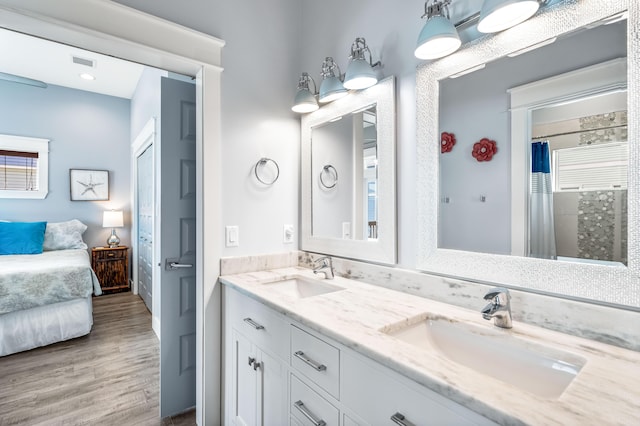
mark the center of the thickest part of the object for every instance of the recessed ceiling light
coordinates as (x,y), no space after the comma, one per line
(87,76)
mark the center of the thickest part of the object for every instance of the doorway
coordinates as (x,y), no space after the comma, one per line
(149,40)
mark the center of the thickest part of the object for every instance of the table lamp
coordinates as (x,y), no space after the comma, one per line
(113,219)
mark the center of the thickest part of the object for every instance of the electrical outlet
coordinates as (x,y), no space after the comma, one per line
(287,234)
(232,236)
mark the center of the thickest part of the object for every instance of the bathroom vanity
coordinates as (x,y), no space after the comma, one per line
(303,350)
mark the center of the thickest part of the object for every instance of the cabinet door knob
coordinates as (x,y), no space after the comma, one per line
(313,364)
(251,360)
(401,420)
(256,365)
(305,412)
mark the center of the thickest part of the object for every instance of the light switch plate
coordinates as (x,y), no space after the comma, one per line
(232,236)
(346,230)
(287,234)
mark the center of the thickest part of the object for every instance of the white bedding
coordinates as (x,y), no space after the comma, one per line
(31,328)
(28,281)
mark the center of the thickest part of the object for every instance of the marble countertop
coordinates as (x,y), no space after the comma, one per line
(607,389)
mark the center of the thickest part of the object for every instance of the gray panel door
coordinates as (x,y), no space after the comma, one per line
(145,212)
(178,246)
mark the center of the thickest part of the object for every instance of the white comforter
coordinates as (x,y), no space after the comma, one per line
(27,281)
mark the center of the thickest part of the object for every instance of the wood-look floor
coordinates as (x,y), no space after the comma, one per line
(109,377)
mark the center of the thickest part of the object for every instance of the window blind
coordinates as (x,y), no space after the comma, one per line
(18,170)
(591,167)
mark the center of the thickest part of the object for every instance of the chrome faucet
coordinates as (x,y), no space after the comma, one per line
(499,308)
(324,266)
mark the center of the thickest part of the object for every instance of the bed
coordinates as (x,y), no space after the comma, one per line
(46,297)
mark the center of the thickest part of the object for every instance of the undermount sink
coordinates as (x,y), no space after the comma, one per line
(495,352)
(301,287)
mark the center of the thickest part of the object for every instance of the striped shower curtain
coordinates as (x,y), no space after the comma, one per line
(542,238)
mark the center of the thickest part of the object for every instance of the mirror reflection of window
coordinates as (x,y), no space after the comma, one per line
(589,151)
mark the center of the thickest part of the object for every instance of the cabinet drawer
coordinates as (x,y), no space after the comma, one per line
(317,360)
(309,408)
(110,254)
(375,393)
(260,324)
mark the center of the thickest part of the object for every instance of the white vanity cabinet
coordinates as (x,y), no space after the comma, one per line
(256,352)
(381,396)
(279,372)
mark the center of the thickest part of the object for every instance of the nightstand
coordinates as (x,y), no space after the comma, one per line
(111,266)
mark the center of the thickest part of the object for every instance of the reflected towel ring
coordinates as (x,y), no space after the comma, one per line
(332,173)
(263,162)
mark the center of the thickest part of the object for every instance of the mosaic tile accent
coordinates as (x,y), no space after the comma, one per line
(603,128)
(598,213)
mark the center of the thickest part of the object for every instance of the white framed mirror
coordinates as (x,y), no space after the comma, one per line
(618,284)
(348,176)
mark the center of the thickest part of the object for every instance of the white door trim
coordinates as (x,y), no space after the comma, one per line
(143,38)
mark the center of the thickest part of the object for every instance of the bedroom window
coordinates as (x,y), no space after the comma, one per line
(24,167)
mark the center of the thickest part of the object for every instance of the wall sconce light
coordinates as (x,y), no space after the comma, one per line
(331,87)
(113,219)
(498,15)
(439,36)
(360,73)
(305,100)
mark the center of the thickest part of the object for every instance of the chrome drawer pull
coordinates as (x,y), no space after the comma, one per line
(305,412)
(254,324)
(401,420)
(310,362)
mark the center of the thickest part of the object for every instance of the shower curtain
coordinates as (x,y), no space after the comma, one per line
(542,238)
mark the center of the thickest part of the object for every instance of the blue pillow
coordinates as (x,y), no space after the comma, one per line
(21,237)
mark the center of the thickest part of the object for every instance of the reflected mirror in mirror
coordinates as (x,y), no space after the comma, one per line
(576,209)
(344,171)
(347,172)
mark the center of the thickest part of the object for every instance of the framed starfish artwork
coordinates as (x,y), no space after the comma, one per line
(89,185)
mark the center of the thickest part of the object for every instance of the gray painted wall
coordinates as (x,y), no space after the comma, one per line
(145,102)
(87,131)
(261,71)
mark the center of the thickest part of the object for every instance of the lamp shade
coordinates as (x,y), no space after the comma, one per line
(438,38)
(498,15)
(304,102)
(331,89)
(112,219)
(359,75)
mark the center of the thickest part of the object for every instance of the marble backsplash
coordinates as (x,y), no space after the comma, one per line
(601,323)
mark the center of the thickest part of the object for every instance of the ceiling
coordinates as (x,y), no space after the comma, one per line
(53,63)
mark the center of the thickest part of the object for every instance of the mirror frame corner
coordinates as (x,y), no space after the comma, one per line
(384,248)
(609,285)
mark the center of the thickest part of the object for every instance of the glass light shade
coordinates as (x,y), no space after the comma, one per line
(359,75)
(331,89)
(304,102)
(498,15)
(112,219)
(438,38)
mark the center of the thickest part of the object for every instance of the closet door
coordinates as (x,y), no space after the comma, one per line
(144,181)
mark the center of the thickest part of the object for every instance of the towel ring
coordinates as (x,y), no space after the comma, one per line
(332,172)
(263,162)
